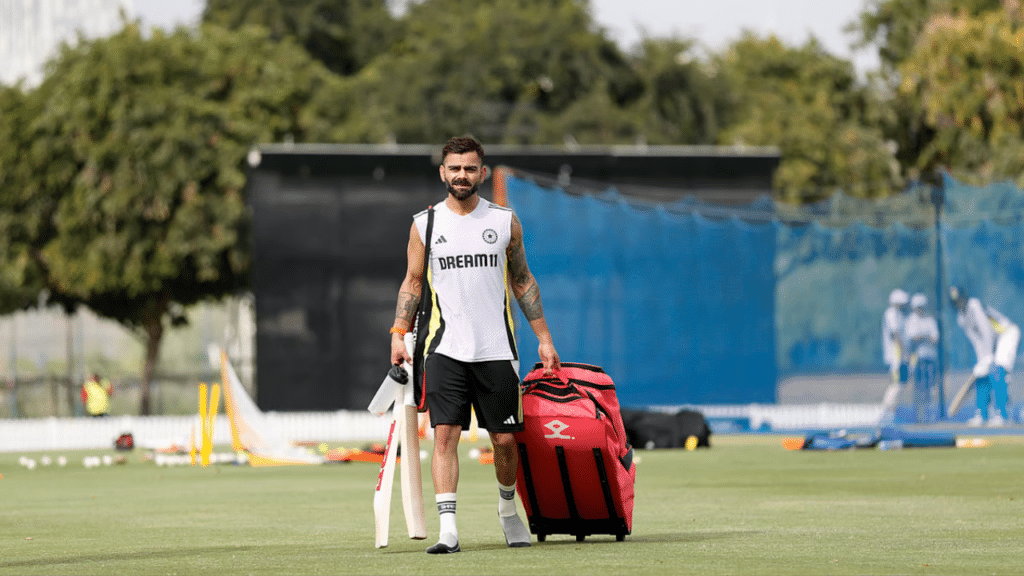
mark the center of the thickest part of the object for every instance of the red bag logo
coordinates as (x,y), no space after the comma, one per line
(556,427)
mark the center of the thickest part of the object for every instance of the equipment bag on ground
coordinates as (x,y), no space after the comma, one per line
(650,430)
(576,471)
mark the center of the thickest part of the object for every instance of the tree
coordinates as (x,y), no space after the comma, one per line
(24,210)
(895,27)
(502,70)
(685,100)
(344,35)
(965,75)
(809,104)
(142,143)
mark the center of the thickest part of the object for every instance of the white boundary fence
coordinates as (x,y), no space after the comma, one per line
(798,416)
(38,434)
(359,426)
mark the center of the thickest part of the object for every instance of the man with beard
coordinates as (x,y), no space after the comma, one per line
(465,331)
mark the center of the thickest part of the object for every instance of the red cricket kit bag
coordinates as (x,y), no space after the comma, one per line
(576,470)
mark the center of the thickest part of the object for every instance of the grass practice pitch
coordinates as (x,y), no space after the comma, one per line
(745,506)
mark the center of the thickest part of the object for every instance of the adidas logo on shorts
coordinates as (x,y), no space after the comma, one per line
(510,420)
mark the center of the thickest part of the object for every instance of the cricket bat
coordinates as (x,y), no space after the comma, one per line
(386,477)
(412,481)
(954,406)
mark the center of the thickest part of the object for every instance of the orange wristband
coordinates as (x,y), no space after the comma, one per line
(397,330)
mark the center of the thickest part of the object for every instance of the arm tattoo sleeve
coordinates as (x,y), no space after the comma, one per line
(524,286)
(407,305)
(530,304)
(519,272)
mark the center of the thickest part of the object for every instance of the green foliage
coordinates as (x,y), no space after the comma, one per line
(142,143)
(685,100)
(895,25)
(24,211)
(965,75)
(151,136)
(344,36)
(809,104)
(502,70)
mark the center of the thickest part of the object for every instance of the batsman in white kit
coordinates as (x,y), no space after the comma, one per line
(995,339)
(894,350)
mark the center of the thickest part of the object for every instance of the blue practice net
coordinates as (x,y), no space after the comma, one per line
(690,303)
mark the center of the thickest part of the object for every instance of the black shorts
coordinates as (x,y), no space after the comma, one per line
(492,388)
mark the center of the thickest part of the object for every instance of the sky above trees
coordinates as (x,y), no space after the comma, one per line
(712,23)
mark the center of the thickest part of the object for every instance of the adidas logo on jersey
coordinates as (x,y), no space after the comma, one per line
(440,240)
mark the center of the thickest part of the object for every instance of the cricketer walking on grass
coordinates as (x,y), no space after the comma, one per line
(470,357)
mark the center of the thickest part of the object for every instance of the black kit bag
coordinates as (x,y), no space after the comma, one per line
(649,429)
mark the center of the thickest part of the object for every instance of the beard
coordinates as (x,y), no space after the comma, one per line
(461,194)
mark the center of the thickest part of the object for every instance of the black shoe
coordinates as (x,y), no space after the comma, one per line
(442,548)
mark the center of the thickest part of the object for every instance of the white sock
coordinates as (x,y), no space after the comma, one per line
(506,500)
(446,512)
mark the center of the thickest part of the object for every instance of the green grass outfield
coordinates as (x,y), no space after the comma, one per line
(746,506)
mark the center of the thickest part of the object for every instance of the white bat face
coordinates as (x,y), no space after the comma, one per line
(386,477)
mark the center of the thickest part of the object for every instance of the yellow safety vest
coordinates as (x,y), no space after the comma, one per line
(97,397)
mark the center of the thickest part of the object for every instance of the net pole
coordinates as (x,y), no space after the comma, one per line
(938,198)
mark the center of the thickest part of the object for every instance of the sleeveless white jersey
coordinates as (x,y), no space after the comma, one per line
(469,310)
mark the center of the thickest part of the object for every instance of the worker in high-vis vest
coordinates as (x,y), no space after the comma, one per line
(995,339)
(96,393)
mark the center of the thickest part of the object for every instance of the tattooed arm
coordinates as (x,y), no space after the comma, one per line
(408,296)
(527,293)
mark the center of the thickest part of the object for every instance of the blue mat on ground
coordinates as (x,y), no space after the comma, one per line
(885,438)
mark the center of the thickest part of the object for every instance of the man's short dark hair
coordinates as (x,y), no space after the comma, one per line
(462,145)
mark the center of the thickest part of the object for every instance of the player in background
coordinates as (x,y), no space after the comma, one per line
(477,254)
(922,335)
(995,339)
(96,393)
(894,346)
